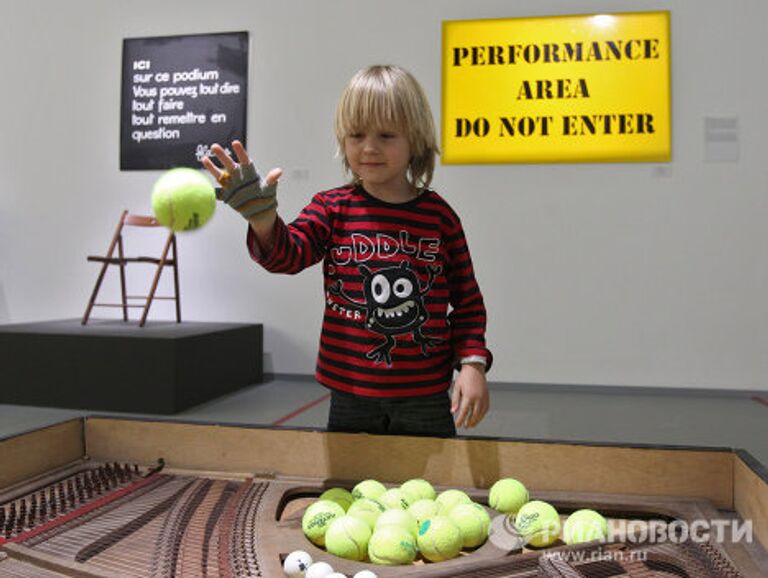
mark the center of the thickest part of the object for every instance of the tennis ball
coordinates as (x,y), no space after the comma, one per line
(584,526)
(341,496)
(392,545)
(317,518)
(473,522)
(394,499)
(348,538)
(368,489)
(538,522)
(423,510)
(400,518)
(319,570)
(183,199)
(507,496)
(368,510)
(439,539)
(450,498)
(296,563)
(418,489)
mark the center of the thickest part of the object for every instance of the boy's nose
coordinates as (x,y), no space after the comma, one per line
(369,145)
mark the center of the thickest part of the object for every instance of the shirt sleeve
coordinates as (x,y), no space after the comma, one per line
(467,317)
(297,245)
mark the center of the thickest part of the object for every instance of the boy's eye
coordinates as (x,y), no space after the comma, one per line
(388,135)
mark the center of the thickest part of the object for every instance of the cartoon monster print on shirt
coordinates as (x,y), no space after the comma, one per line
(394,305)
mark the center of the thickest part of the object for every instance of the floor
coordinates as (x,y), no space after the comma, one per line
(586,414)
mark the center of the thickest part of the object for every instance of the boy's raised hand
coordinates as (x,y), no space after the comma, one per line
(241,185)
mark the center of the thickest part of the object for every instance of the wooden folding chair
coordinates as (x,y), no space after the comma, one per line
(167,258)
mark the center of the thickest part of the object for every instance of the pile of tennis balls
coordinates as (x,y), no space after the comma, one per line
(395,525)
(539,522)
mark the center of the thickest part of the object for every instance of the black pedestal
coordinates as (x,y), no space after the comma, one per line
(163,367)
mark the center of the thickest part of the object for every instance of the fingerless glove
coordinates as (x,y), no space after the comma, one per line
(247,193)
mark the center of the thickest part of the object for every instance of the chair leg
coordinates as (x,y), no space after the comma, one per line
(155,281)
(115,237)
(95,292)
(123,293)
(176,293)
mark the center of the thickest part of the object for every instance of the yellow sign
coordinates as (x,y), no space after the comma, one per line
(557,89)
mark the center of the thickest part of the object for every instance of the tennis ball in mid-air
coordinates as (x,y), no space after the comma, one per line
(507,496)
(348,538)
(418,489)
(368,489)
(451,498)
(296,564)
(439,539)
(392,545)
(473,522)
(317,518)
(183,199)
(538,522)
(401,518)
(341,496)
(423,510)
(584,526)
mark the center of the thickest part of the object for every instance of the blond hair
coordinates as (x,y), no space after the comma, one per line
(384,95)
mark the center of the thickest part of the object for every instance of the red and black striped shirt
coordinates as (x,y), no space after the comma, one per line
(402,305)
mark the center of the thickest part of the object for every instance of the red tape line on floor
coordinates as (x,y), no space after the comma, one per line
(301,410)
(760,400)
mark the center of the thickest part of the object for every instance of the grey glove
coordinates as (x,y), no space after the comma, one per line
(245,192)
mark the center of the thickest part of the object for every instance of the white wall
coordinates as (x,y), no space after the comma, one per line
(623,274)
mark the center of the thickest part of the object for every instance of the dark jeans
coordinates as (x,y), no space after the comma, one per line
(428,415)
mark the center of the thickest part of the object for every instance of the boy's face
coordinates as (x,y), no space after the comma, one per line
(380,158)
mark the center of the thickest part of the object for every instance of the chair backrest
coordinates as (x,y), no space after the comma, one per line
(140,220)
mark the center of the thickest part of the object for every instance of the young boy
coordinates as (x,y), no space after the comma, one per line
(402,307)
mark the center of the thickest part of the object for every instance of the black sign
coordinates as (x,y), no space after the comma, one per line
(180,94)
